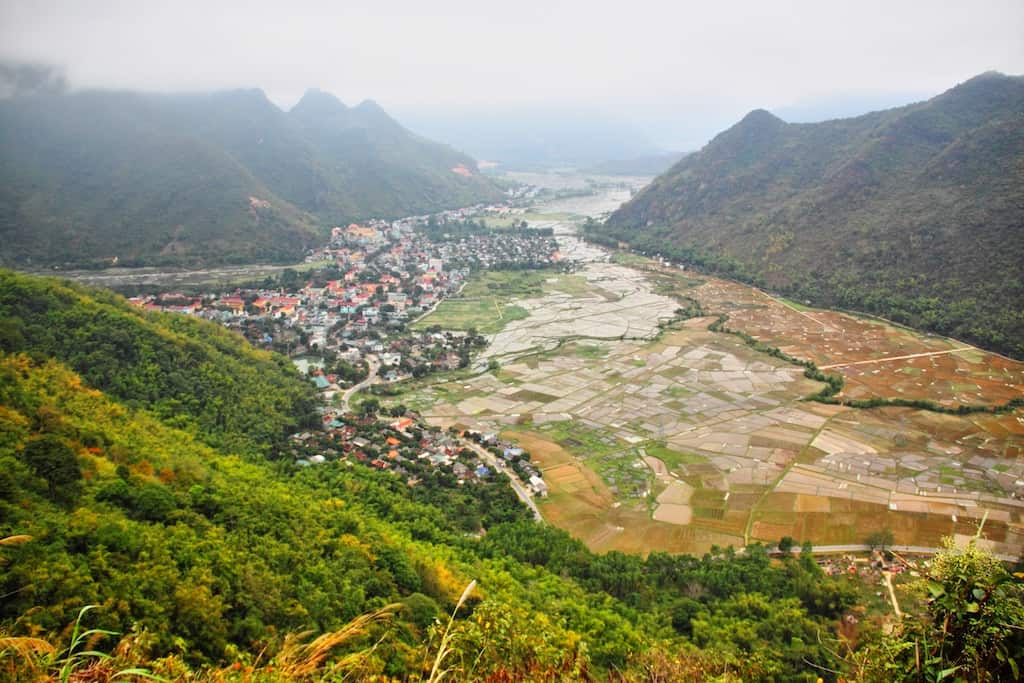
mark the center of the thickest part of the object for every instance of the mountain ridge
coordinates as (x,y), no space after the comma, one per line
(913,213)
(205,178)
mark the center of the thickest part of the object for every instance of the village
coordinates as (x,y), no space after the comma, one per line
(403,445)
(347,323)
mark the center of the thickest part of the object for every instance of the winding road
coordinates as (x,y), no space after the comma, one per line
(371,378)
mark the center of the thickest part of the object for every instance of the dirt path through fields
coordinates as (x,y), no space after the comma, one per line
(883,360)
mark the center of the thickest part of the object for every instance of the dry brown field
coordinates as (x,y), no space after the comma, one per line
(939,369)
(581,503)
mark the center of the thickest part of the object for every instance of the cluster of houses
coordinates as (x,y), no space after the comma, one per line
(515,458)
(384,278)
(401,446)
(510,250)
(404,447)
(876,562)
(381,277)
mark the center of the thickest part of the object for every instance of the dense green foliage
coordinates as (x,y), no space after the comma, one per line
(201,179)
(190,373)
(912,213)
(973,628)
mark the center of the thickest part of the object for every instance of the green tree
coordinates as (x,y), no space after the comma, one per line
(879,539)
(369,407)
(51,458)
(977,613)
(154,502)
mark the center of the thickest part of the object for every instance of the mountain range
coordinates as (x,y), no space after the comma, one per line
(207,178)
(914,213)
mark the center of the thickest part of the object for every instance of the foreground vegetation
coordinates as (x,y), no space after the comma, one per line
(201,557)
(191,374)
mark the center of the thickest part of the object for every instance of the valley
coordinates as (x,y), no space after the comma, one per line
(507,405)
(653,432)
(351,342)
(680,439)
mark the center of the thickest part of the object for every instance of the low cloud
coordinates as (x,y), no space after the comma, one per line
(19,79)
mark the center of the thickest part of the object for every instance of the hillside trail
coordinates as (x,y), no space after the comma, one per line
(887,577)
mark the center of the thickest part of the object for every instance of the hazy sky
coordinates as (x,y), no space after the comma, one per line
(681,67)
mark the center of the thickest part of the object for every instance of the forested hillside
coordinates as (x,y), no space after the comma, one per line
(209,562)
(915,213)
(200,179)
(190,373)
(372,166)
(88,178)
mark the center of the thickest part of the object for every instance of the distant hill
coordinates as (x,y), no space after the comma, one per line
(914,213)
(202,179)
(648,165)
(377,167)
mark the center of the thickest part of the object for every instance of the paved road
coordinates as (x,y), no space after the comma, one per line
(371,378)
(513,478)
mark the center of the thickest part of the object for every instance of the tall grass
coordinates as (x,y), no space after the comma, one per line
(39,660)
(437,673)
(300,660)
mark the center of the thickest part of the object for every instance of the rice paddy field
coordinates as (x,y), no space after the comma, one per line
(678,438)
(489,301)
